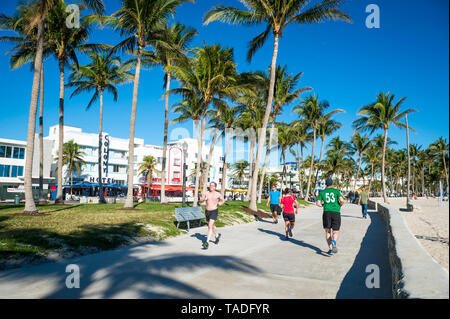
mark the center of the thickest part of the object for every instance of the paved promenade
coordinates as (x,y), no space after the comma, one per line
(251,261)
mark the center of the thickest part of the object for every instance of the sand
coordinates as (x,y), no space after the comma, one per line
(429,223)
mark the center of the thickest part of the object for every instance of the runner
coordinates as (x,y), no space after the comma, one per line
(213,200)
(363,200)
(331,200)
(274,200)
(287,204)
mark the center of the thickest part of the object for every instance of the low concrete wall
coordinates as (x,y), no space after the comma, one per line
(415,274)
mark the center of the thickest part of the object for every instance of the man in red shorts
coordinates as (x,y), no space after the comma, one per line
(287,204)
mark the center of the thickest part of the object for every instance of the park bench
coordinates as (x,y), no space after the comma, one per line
(187,214)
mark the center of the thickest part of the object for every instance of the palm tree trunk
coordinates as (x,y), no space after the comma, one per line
(312,164)
(320,158)
(30,206)
(445,167)
(100,130)
(303,171)
(262,136)
(59,193)
(129,199)
(208,161)
(41,139)
(422,177)
(166,127)
(357,172)
(202,125)
(251,161)
(383,182)
(266,159)
(371,178)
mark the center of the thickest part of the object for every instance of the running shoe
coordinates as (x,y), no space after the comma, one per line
(217,239)
(333,244)
(287,235)
(205,245)
(330,252)
(290,231)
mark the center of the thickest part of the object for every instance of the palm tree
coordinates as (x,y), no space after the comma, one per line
(285,92)
(326,127)
(360,144)
(146,168)
(103,74)
(381,115)
(73,158)
(25,52)
(440,147)
(35,20)
(64,42)
(313,111)
(141,21)
(302,136)
(276,16)
(240,168)
(205,78)
(168,50)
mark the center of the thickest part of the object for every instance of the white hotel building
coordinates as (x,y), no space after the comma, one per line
(117,158)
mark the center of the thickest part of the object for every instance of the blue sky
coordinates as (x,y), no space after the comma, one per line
(346,64)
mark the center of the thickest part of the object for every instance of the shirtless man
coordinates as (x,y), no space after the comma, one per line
(213,200)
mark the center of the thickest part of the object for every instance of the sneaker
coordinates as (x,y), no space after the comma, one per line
(290,231)
(333,244)
(205,245)
(330,252)
(276,221)
(217,239)
(287,235)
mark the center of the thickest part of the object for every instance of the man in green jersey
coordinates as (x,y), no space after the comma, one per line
(331,200)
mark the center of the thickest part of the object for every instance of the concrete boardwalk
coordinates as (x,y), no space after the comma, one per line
(251,261)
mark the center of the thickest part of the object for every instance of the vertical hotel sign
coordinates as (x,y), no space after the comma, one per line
(105,156)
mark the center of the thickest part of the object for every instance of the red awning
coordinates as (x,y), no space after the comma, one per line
(168,188)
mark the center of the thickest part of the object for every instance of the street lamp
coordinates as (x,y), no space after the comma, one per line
(185,146)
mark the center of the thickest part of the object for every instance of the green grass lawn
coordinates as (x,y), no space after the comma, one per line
(78,229)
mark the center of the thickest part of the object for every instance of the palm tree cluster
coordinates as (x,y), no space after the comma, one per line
(213,93)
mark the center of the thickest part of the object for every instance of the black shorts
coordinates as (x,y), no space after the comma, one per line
(275,208)
(289,217)
(211,214)
(331,220)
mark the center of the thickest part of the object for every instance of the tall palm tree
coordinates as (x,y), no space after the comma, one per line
(72,156)
(206,77)
(24,51)
(313,112)
(285,92)
(276,15)
(326,127)
(360,144)
(146,168)
(65,42)
(103,74)
(141,21)
(440,147)
(381,115)
(167,50)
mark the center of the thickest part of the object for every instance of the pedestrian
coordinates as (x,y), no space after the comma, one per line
(287,204)
(274,201)
(331,200)
(363,201)
(213,200)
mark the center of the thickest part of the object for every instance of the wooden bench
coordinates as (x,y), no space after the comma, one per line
(186,214)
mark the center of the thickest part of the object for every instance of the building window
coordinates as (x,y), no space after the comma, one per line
(221,170)
(176,175)
(5,170)
(8,151)
(2,151)
(20,171)
(115,168)
(177,162)
(17,152)
(222,158)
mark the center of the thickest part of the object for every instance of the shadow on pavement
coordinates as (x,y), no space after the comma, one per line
(373,251)
(109,274)
(295,241)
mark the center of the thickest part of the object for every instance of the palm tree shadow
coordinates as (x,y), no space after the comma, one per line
(295,241)
(131,272)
